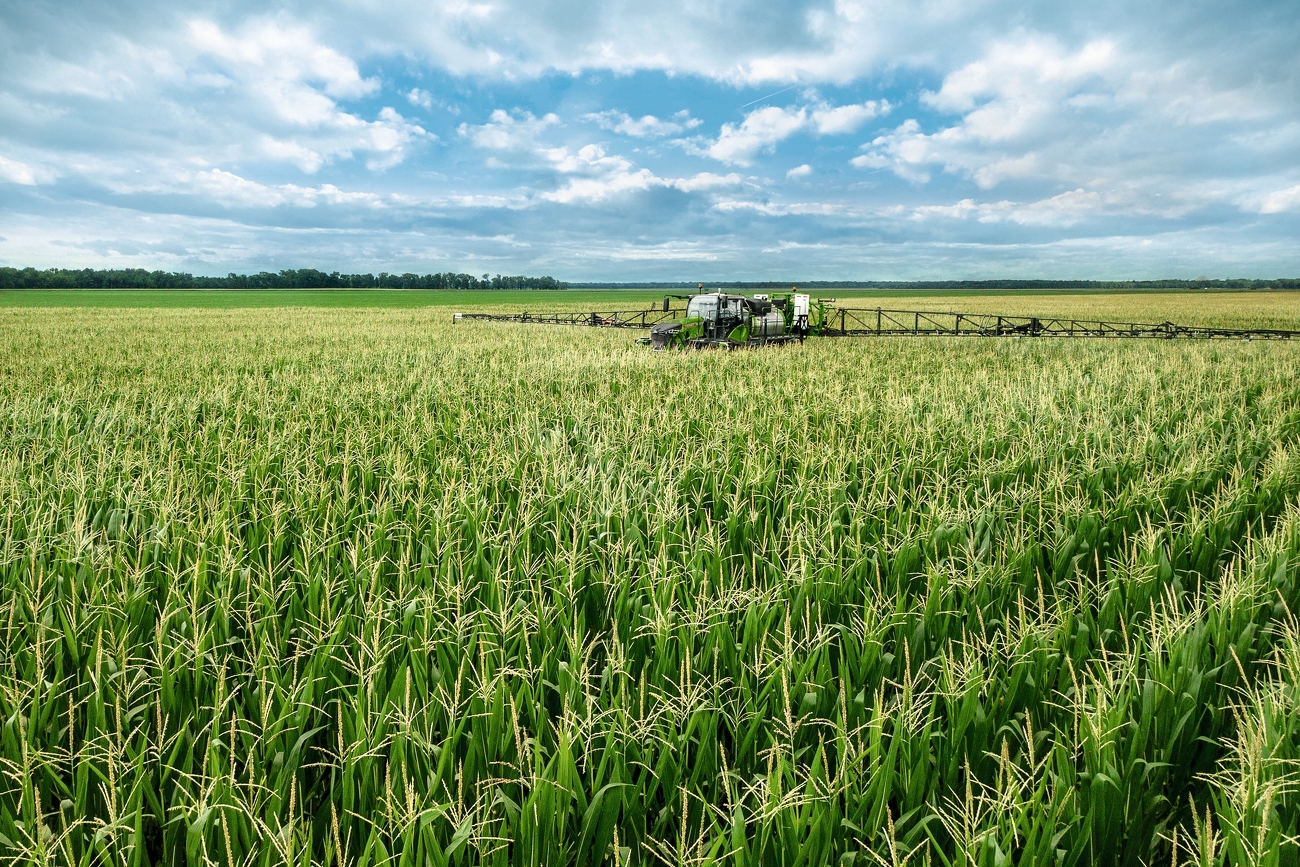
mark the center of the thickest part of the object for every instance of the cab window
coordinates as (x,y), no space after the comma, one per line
(704,306)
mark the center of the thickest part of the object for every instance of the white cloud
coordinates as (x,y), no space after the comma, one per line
(1062,210)
(282,60)
(483,201)
(763,128)
(1282,200)
(386,139)
(786,246)
(231,190)
(292,84)
(760,131)
(1021,77)
(984,212)
(647,126)
(745,42)
(508,132)
(591,173)
(669,251)
(1020,106)
(905,150)
(778,209)
(16,173)
(389,137)
(426,100)
(291,152)
(601,176)
(847,118)
(802,171)
(1070,207)
(1097,119)
(588,159)
(597,188)
(705,181)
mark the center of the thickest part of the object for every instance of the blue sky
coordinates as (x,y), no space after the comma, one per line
(670,141)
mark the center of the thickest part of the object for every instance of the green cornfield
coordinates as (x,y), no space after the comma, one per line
(361,586)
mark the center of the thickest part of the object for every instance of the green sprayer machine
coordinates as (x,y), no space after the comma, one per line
(722,320)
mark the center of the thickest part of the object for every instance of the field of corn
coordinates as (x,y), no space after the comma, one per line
(331,586)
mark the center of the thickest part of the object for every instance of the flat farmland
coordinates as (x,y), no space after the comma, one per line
(337,584)
(1250,307)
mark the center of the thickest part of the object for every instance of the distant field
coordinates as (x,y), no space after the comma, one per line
(608,298)
(1231,309)
(321,586)
(237,298)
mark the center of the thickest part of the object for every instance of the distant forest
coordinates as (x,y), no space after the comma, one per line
(304,278)
(966,285)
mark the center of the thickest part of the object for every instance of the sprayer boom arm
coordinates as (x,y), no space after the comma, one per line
(882,322)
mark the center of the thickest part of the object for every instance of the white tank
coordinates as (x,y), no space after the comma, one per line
(770,324)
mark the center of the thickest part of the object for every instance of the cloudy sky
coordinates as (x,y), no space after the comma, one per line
(626,140)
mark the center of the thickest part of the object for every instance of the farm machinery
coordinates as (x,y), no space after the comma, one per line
(719,319)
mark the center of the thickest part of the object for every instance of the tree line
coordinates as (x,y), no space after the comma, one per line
(303,278)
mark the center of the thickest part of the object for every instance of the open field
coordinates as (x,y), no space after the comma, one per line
(598,298)
(241,298)
(311,585)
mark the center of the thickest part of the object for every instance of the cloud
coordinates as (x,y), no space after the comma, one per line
(1018,80)
(802,171)
(16,173)
(1014,104)
(1282,200)
(232,190)
(783,209)
(705,181)
(646,126)
(484,201)
(847,118)
(386,139)
(282,62)
(595,189)
(304,157)
(738,42)
(1066,209)
(196,90)
(426,100)
(786,246)
(602,176)
(505,131)
(760,131)
(296,82)
(1102,118)
(110,67)
(904,151)
(746,41)
(763,128)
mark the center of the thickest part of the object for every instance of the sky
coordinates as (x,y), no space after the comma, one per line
(625,140)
